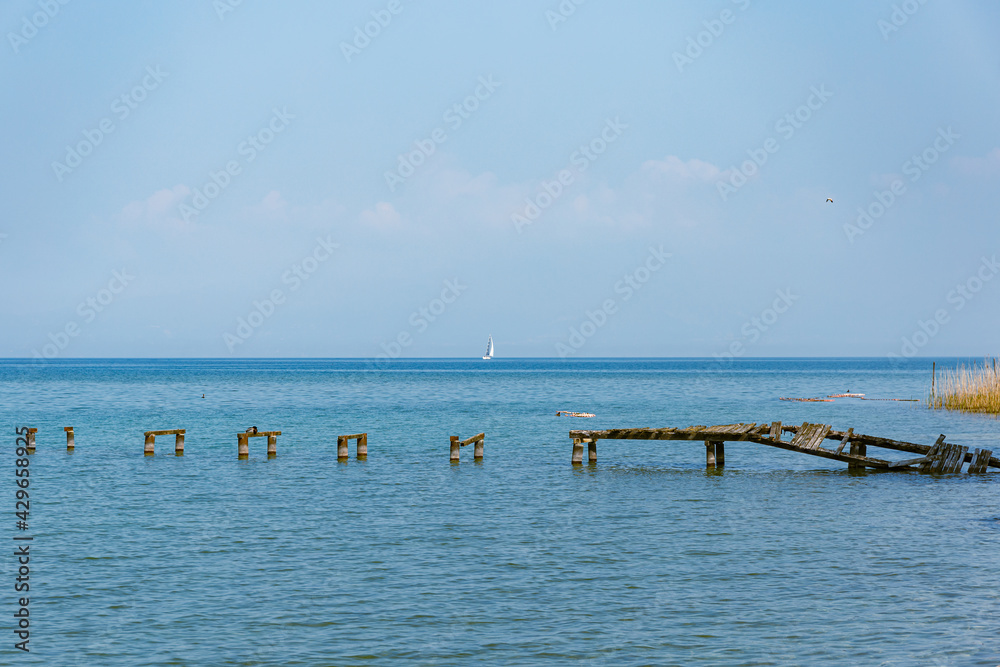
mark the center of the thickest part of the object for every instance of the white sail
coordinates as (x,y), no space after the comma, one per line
(489,348)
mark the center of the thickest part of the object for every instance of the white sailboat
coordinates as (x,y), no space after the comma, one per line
(489,348)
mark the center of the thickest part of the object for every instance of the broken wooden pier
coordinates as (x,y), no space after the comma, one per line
(456,444)
(850,447)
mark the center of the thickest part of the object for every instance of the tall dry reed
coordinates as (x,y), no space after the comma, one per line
(973,388)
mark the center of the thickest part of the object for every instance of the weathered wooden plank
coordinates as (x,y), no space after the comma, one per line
(908,462)
(980,460)
(845,439)
(957,459)
(775,430)
(803,434)
(174,431)
(825,453)
(817,437)
(471,440)
(261,434)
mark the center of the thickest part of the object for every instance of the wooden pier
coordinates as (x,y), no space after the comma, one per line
(150,445)
(456,444)
(361,446)
(808,438)
(243,442)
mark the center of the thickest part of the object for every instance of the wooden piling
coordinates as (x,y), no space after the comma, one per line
(342,451)
(577,452)
(31,440)
(243,442)
(592,451)
(362,452)
(455,449)
(720,454)
(70,439)
(710,461)
(150,445)
(477,453)
(857,449)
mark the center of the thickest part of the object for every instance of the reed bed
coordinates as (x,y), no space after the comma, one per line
(974,388)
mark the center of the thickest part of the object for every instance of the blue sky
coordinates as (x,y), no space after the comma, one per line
(250,198)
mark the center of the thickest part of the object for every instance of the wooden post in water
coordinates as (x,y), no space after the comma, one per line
(720,454)
(710,454)
(857,449)
(242,446)
(179,445)
(455,449)
(592,451)
(272,446)
(363,446)
(70,440)
(577,452)
(477,454)
(31,440)
(149,446)
(342,451)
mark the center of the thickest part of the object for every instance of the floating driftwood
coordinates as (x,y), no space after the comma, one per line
(806,400)
(574,414)
(806,439)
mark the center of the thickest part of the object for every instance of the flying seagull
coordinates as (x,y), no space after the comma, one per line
(829,200)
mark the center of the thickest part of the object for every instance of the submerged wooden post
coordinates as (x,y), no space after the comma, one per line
(857,449)
(710,454)
(362,452)
(272,446)
(454,453)
(477,453)
(70,440)
(592,451)
(243,445)
(179,445)
(577,451)
(31,440)
(342,451)
(147,449)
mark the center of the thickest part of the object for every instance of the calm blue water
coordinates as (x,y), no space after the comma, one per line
(645,558)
